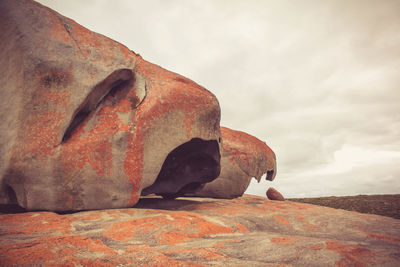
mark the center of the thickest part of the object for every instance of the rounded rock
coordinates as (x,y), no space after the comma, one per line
(273,194)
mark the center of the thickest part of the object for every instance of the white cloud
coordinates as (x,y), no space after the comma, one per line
(319,81)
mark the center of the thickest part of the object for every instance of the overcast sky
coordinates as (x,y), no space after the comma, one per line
(319,81)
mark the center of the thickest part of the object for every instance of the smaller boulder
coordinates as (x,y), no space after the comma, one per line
(273,194)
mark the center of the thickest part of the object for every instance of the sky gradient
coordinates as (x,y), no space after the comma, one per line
(319,81)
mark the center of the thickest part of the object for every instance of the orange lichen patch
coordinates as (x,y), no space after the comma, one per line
(34,252)
(168,228)
(311,227)
(92,216)
(252,155)
(34,223)
(133,166)
(172,238)
(188,226)
(317,247)
(242,229)
(383,237)
(94,148)
(352,255)
(281,220)
(167,93)
(305,222)
(68,250)
(284,240)
(301,218)
(42,136)
(125,230)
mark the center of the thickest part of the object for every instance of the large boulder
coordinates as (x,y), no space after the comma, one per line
(85,123)
(247,231)
(243,157)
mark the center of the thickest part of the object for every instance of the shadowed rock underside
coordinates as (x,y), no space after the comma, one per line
(243,157)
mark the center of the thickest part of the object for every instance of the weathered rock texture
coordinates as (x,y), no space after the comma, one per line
(85,123)
(247,231)
(243,157)
(273,194)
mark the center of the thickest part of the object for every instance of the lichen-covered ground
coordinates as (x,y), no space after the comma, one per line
(247,231)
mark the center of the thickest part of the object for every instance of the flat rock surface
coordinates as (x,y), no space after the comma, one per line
(247,231)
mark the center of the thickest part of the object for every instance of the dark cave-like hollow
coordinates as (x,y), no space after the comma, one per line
(186,169)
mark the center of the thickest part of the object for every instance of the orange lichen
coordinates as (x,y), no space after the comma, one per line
(91,217)
(173,238)
(168,228)
(189,227)
(301,218)
(383,237)
(242,229)
(246,151)
(93,147)
(308,225)
(281,220)
(122,231)
(64,251)
(352,255)
(42,137)
(167,92)
(317,247)
(36,223)
(311,227)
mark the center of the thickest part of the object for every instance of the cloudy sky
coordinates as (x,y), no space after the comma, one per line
(319,81)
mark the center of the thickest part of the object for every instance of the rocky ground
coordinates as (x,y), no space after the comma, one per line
(246,231)
(385,205)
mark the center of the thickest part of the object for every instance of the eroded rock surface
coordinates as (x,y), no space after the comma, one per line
(85,123)
(246,231)
(243,157)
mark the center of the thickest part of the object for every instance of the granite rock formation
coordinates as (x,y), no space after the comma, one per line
(85,123)
(243,157)
(246,231)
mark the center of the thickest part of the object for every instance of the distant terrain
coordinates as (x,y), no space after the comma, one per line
(385,205)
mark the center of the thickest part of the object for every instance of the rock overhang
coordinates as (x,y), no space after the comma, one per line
(95,121)
(243,157)
(96,124)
